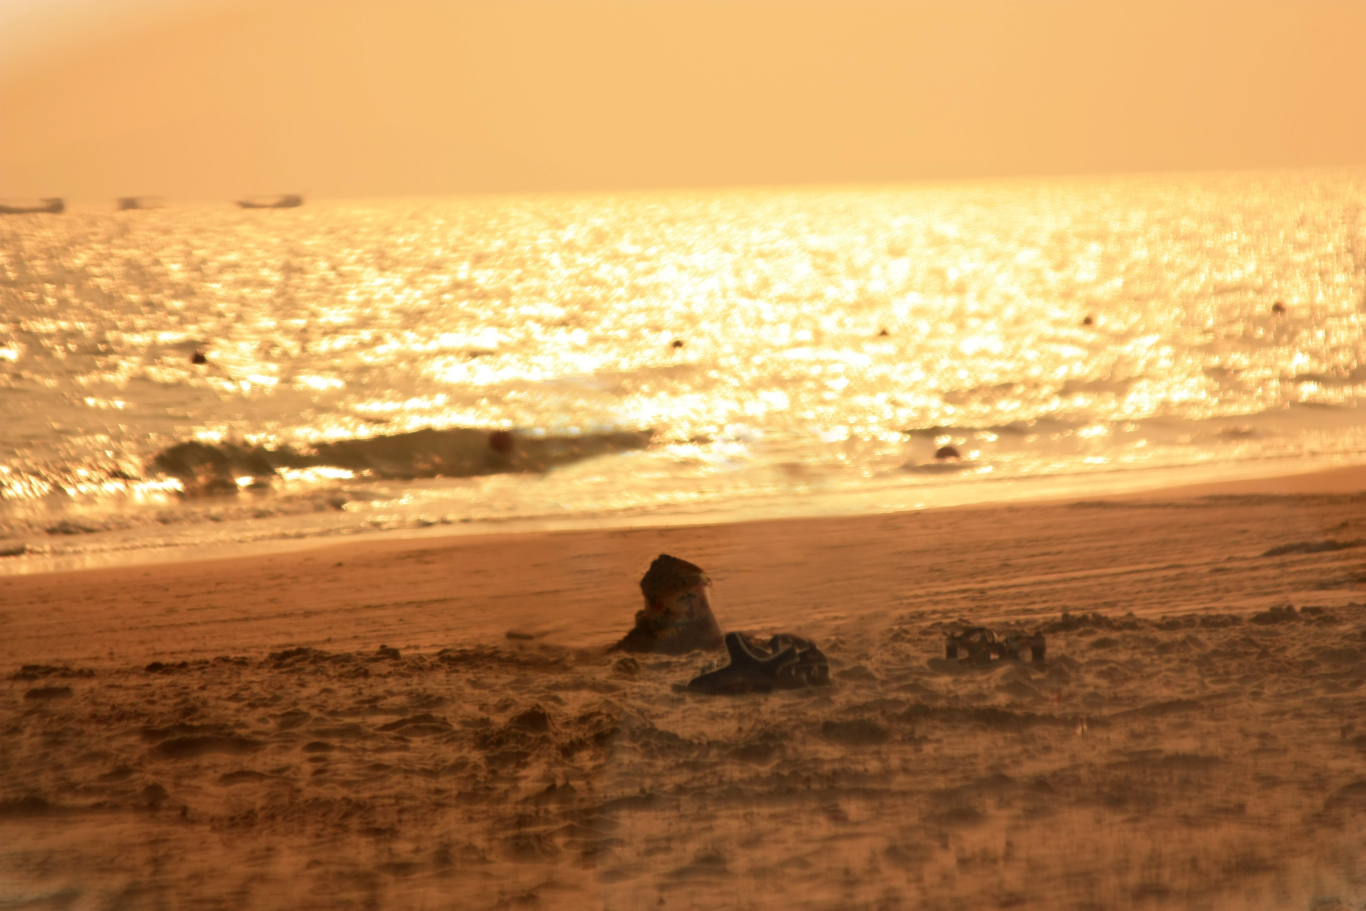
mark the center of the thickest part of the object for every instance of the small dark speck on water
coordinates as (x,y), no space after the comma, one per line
(677,343)
(1278,307)
(198,358)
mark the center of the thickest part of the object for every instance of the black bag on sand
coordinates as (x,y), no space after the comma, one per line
(786,662)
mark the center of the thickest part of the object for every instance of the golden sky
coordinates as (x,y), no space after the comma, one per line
(208,99)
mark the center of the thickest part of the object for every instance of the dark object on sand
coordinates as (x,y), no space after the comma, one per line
(787,662)
(288,201)
(677,617)
(1278,307)
(131,203)
(979,645)
(53,205)
(198,358)
(946,452)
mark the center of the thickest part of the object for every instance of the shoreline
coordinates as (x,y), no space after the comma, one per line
(1248,479)
(533,581)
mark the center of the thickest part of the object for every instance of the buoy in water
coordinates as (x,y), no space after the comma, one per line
(500,441)
(946,452)
(676,343)
(198,358)
(1278,307)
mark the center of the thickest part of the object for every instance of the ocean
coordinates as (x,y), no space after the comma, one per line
(466,365)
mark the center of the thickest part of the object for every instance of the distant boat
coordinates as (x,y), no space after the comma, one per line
(140,202)
(53,204)
(289,201)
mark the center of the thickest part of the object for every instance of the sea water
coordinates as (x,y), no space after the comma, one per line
(776,352)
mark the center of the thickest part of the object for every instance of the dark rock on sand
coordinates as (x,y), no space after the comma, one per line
(677,616)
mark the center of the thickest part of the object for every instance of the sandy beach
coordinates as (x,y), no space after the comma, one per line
(436,723)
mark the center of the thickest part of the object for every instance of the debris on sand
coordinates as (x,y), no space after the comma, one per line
(979,645)
(787,662)
(677,617)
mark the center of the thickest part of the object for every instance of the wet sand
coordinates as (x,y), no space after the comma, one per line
(229,733)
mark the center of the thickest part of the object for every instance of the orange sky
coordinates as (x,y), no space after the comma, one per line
(361,98)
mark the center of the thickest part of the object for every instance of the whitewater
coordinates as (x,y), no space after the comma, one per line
(204,376)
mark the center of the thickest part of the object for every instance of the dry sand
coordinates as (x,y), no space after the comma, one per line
(227,733)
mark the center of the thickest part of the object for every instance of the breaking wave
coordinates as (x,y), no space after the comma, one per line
(215,486)
(204,470)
